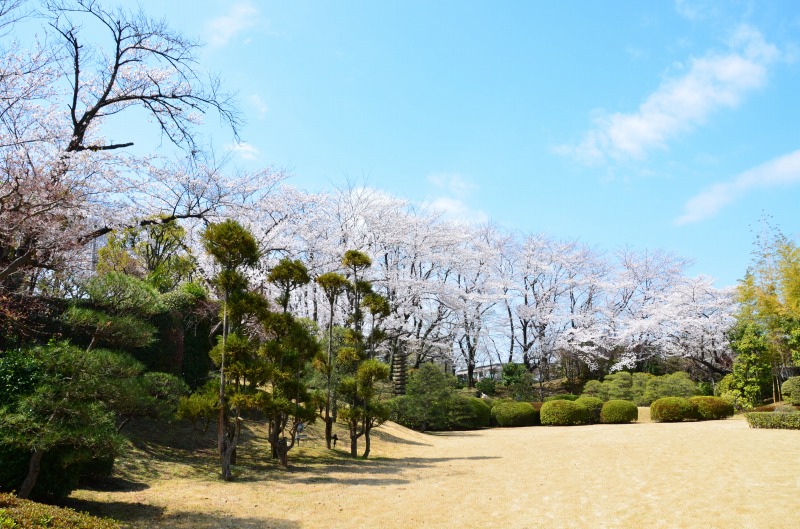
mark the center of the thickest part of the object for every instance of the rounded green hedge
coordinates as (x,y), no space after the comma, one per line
(672,409)
(619,412)
(482,412)
(593,406)
(711,408)
(510,414)
(563,413)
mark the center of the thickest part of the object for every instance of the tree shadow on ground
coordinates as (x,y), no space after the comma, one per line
(390,470)
(386,436)
(114,484)
(195,520)
(122,511)
(140,515)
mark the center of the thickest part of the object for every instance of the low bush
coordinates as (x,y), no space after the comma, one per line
(671,409)
(784,408)
(619,412)
(22,514)
(711,408)
(791,390)
(782,421)
(511,414)
(561,397)
(593,406)
(470,413)
(563,413)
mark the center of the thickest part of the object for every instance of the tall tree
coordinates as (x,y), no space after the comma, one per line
(332,285)
(234,249)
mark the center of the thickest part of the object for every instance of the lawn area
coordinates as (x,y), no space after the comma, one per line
(716,474)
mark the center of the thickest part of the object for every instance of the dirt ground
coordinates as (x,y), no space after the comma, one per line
(717,474)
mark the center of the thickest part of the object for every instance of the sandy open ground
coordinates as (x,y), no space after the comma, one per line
(718,474)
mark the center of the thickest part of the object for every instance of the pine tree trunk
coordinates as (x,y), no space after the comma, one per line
(353,445)
(366,441)
(328,429)
(34,467)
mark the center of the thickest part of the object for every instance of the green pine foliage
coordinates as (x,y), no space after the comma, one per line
(69,417)
(641,388)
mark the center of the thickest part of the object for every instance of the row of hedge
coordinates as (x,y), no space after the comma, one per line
(469,413)
(773,420)
(586,410)
(590,410)
(700,408)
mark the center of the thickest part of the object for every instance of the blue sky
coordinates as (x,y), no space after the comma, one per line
(648,124)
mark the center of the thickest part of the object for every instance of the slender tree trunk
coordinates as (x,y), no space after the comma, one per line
(353,444)
(367,430)
(328,418)
(229,452)
(34,467)
(221,417)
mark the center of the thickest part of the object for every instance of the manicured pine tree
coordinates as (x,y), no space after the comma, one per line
(233,249)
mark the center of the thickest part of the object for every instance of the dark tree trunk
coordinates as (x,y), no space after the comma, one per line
(328,429)
(34,467)
(367,430)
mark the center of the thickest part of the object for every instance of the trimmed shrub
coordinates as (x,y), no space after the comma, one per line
(593,406)
(782,421)
(470,414)
(791,390)
(619,412)
(563,413)
(23,513)
(711,408)
(671,409)
(511,414)
(562,397)
(784,408)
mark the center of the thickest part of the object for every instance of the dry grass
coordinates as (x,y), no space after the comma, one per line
(685,475)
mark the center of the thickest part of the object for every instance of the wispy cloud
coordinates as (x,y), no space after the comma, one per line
(452,192)
(240,17)
(697,9)
(259,105)
(782,171)
(710,83)
(245,151)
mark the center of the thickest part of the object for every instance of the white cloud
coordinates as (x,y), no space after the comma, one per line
(259,105)
(245,151)
(781,171)
(697,9)
(240,17)
(681,103)
(453,191)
